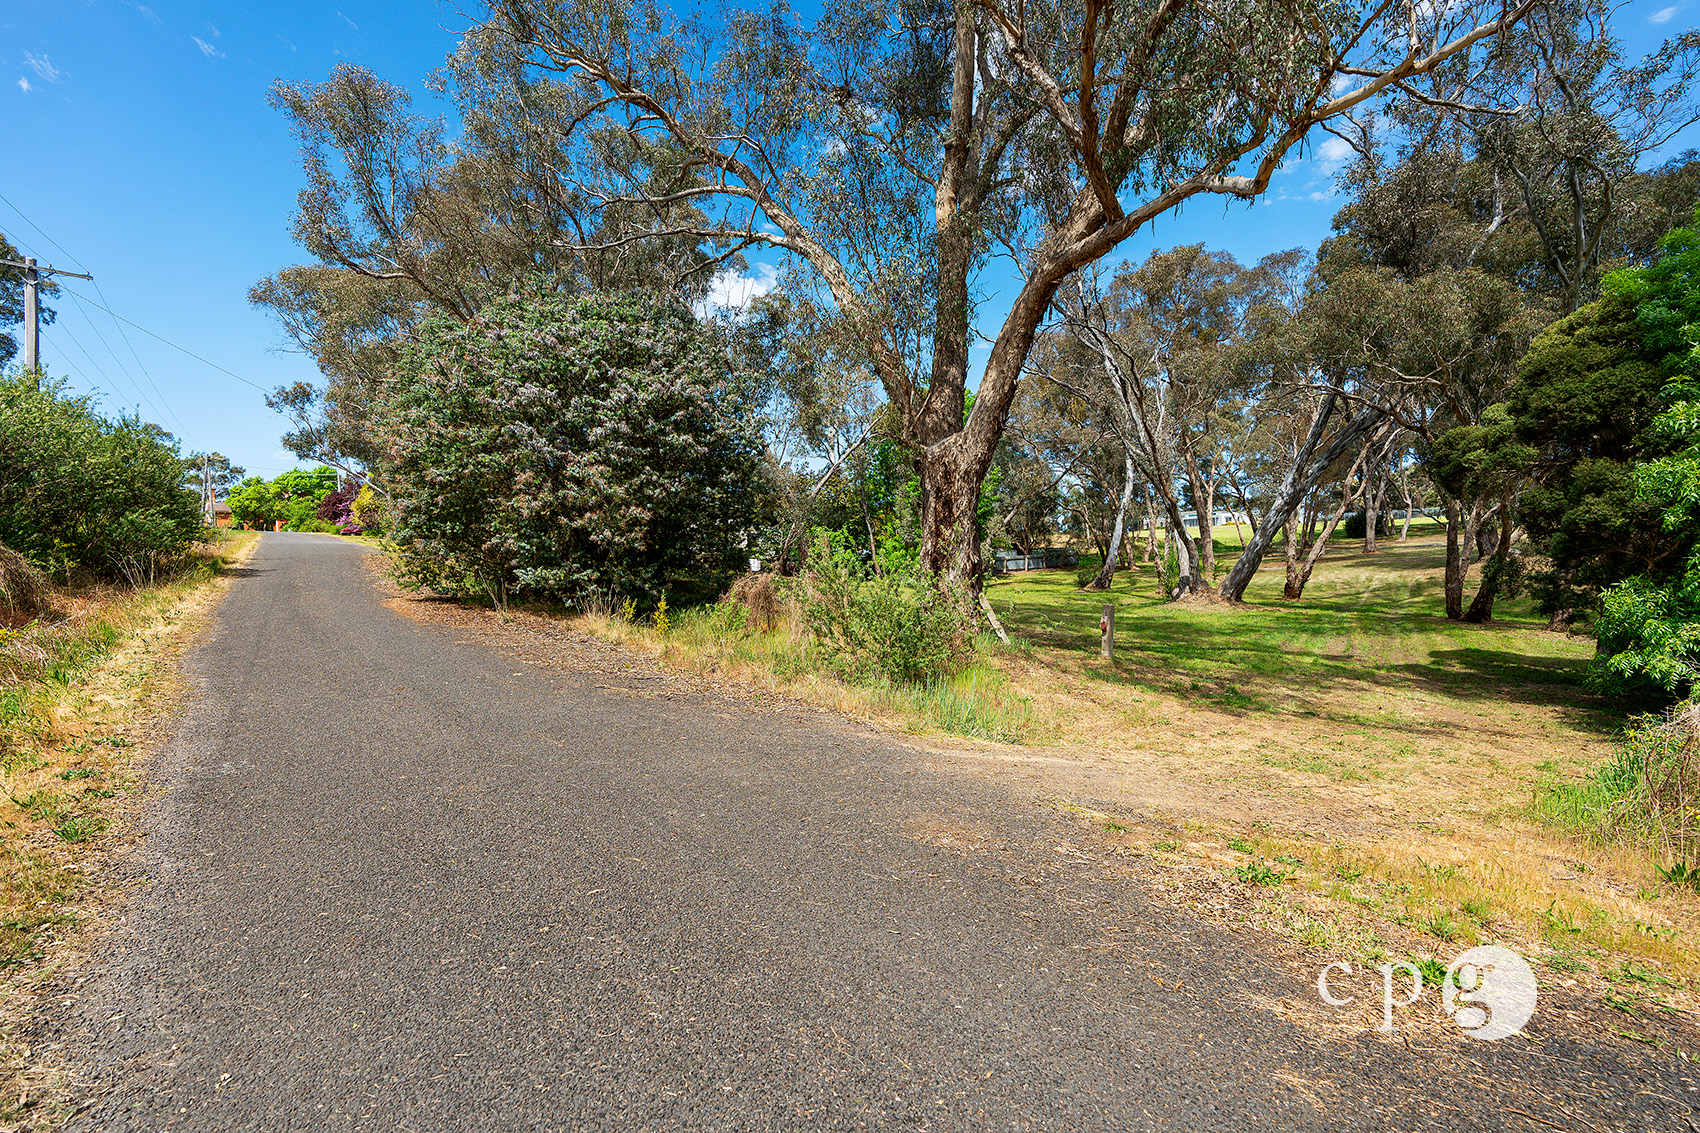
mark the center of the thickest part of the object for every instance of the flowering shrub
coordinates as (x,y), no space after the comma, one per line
(561,446)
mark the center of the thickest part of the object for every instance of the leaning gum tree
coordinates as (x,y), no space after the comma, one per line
(895,148)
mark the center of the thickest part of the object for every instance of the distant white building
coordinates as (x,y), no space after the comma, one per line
(1222,518)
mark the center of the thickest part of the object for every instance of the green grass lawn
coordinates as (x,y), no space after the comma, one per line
(1364,619)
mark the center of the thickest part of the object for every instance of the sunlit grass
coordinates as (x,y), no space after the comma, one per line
(72,690)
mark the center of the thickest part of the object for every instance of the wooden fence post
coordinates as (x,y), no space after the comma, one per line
(1107,632)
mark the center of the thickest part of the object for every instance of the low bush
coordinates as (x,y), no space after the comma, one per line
(85,495)
(908,628)
(24,592)
(768,602)
(1647,794)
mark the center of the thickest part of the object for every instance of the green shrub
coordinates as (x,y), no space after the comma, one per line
(907,628)
(82,492)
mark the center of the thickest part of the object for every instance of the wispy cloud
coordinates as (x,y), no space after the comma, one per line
(44,70)
(286,43)
(1333,154)
(349,22)
(1663,15)
(143,9)
(207,49)
(24,85)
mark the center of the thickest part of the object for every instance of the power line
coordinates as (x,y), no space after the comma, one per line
(44,234)
(173,345)
(137,386)
(116,325)
(132,348)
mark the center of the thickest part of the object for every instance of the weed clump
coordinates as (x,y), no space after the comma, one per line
(909,628)
(1647,794)
(24,592)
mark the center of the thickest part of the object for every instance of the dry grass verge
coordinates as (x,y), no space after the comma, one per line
(81,691)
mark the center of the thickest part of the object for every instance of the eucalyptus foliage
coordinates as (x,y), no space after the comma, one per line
(561,446)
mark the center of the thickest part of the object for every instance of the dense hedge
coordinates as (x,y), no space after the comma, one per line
(84,492)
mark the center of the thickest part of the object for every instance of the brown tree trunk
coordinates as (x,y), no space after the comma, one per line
(1481,609)
(950,497)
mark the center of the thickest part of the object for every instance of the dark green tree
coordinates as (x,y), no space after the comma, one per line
(563,446)
(79,491)
(1588,393)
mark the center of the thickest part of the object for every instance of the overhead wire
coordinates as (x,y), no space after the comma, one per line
(123,369)
(168,342)
(104,305)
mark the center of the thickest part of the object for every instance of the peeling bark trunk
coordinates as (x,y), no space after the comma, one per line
(1108,571)
(1307,468)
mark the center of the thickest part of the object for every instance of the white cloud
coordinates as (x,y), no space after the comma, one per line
(24,85)
(44,70)
(1333,154)
(143,9)
(733,292)
(1663,15)
(349,22)
(207,49)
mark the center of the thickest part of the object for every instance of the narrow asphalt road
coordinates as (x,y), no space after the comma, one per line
(397,879)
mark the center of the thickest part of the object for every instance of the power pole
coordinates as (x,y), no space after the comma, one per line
(33,275)
(208,516)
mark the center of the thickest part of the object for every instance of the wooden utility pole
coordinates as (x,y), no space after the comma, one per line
(33,275)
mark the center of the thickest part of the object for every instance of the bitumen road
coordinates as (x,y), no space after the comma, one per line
(395,878)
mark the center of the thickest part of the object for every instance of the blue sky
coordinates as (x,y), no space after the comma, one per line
(142,150)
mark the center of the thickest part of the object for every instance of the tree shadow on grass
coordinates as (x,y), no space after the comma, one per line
(1275,664)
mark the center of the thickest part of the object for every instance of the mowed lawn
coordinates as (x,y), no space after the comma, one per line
(1368,646)
(1354,733)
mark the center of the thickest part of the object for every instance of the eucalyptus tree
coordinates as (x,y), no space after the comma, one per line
(1160,336)
(1551,186)
(1318,399)
(892,149)
(406,219)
